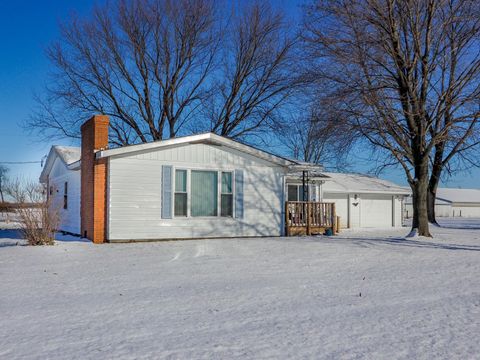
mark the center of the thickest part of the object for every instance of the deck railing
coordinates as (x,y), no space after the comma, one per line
(308,217)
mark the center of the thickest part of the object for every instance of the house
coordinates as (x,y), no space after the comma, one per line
(452,202)
(360,200)
(200,186)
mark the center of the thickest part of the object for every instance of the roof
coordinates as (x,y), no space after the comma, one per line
(362,184)
(315,171)
(206,138)
(335,182)
(71,155)
(438,201)
(68,154)
(459,195)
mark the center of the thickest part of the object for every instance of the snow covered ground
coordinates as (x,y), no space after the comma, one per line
(361,295)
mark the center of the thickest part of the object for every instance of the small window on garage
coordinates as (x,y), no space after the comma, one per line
(65,196)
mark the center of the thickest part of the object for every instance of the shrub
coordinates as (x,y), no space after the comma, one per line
(37,217)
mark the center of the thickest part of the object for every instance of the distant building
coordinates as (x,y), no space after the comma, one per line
(452,203)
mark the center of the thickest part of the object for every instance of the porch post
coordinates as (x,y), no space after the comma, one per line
(308,204)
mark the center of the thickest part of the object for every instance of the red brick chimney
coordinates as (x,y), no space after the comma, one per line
(94,179)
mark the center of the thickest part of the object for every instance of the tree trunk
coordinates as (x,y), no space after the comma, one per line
(437,169)
(432,196)
(420,196)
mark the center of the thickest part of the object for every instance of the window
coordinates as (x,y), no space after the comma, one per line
(292,193)
(226,195)
(180,193)
(204,193)
(295,193)
(65,196)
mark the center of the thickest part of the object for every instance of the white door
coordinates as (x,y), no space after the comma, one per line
(341,206)
(376,210)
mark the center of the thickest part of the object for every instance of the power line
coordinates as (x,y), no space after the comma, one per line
(19,162)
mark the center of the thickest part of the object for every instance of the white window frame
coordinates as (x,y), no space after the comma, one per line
(219,192)
(312,188)
(232,176)
(187,188)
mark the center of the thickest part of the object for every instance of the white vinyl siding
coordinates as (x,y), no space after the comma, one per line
(135,194)
(341,206)
(65,190)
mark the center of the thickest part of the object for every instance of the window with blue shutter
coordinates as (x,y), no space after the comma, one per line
(167,192)
(239,194)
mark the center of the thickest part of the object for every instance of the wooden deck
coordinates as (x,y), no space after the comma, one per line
(309,218)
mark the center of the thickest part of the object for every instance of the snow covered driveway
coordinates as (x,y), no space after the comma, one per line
(360,295)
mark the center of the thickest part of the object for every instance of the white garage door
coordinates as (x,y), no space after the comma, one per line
(375,210)
(341,206)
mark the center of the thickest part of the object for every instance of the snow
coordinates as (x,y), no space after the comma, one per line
(365,294)
(69,154)
(358,183)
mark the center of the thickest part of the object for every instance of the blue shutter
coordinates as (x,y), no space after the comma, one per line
(239,194)
(166,192)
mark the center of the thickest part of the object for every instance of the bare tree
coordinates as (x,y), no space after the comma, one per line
(458,85)
(142,62)
(256,75)
(316,137)
(155,66)
(382,59)
(3,181)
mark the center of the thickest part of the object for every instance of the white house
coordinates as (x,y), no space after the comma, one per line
(451,202)
(62,173)
(360,200)
(197,186)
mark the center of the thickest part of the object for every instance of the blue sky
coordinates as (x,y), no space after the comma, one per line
(26,28)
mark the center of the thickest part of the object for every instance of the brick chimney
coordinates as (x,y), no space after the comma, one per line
(94,179)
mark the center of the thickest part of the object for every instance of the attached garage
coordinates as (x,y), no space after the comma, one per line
(363,201)
(376,210)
